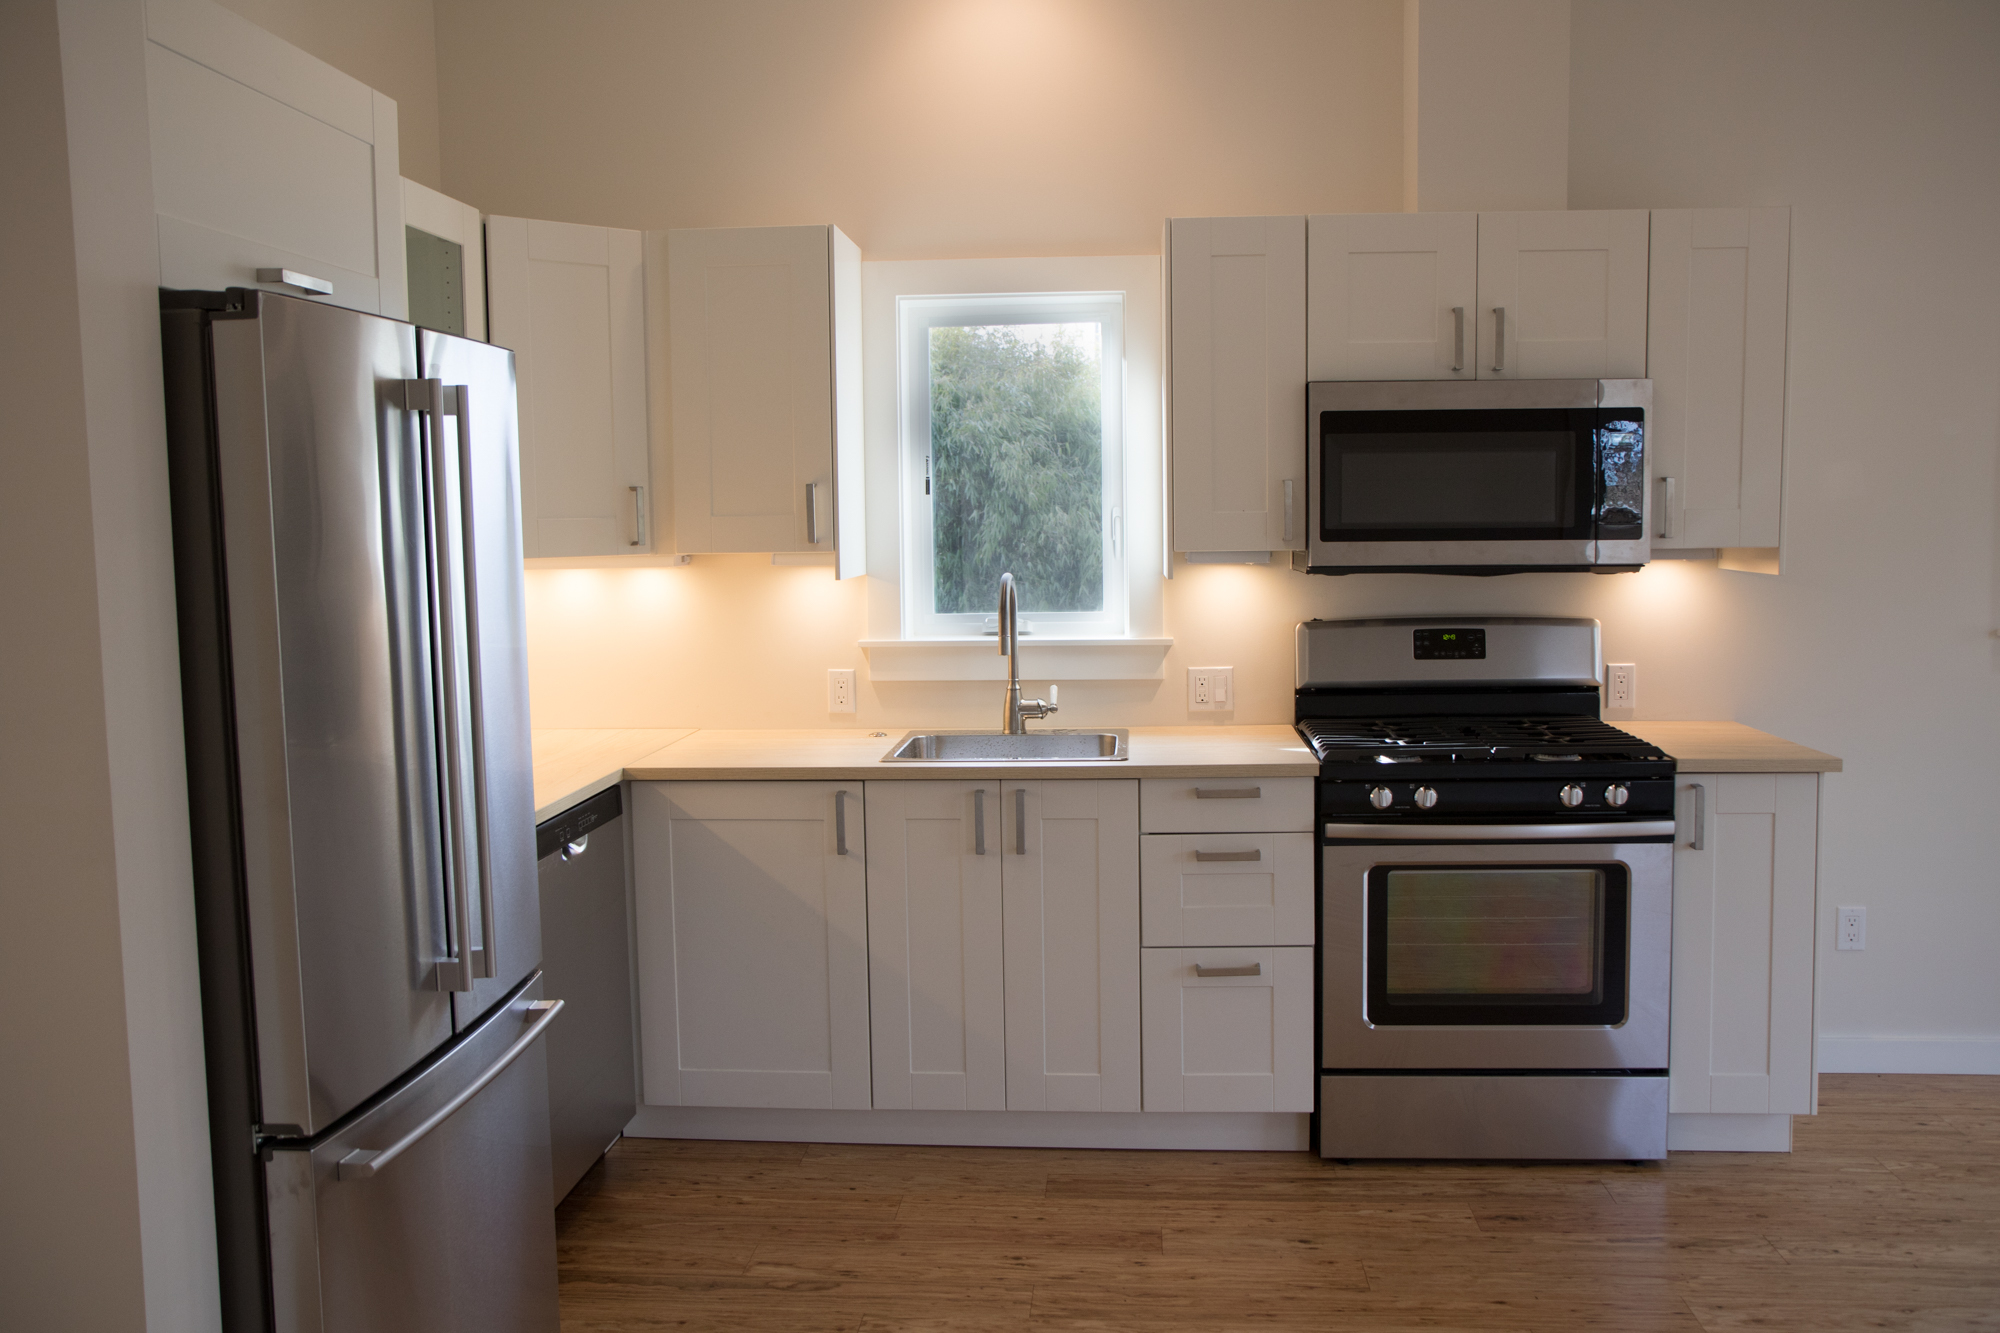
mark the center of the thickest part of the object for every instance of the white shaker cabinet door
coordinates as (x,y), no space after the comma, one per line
(1071,888)
(570,302)
(1392,296)
(1229,1029)
(935,989)
(1716,355)
(764,361)
(1562,295)
(1236,333)
(1745,865)
(752,943)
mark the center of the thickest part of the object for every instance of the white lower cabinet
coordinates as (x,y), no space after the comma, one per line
(752,938)
(936,995)
(1745,867)
(1070,885)
(1226,888)
(1229,1029)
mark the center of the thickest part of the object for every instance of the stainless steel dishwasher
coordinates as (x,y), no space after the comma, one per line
(587,958)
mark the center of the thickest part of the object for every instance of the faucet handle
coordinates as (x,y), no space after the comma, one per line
(1052,698)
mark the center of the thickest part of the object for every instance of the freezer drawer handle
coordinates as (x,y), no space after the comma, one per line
(361,1163)
(1254,854)
(1245,970)
(1228,793)
(1638,828)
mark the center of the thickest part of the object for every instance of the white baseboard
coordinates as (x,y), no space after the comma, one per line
(1185,1130)
(1909,1055)
(1729,1133)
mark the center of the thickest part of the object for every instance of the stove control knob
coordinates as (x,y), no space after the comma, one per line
(1571,796)
(1426,797)
(1381,798)
(1617,794)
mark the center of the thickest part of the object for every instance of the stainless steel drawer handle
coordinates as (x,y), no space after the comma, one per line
(1228,793)
(1254,854)
(1700,815)
(291,277)
(361,1163)
(1241,970)
(840,823)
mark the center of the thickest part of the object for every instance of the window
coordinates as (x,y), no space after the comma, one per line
(1012,456)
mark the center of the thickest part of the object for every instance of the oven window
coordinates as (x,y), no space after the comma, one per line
(1456,475)
(1454,944)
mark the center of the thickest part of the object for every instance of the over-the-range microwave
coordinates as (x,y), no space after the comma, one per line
(1476,477)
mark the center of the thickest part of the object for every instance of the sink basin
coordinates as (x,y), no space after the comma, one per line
(997,747)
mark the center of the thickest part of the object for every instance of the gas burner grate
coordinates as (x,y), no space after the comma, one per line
(1558,737)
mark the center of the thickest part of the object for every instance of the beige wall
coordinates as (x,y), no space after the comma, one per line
(390,45)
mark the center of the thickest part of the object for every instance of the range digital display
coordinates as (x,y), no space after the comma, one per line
(1446,645)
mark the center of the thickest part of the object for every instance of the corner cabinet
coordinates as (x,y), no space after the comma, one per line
(751,915)
(1720,285)
(764,359)
(271,168)
(1236,383)
(1745,870)
(570,301)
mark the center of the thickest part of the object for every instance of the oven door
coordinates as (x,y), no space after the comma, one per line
(1496,955)
(1482,477)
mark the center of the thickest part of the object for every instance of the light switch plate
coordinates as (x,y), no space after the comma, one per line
(840,690)
(1212,689)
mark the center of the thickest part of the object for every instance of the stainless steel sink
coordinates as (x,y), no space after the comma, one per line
(997,747)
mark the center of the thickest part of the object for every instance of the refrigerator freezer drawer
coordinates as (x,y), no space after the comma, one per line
(456,1231)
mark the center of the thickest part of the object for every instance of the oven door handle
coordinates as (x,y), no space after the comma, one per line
(1625,832)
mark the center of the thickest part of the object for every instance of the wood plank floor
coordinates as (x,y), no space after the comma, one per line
(1886,1216)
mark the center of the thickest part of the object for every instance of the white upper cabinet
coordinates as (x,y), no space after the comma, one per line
(1562,295)
(764,350)
(751,921)
(266,160)
(1745,895)
(1237,357)
(445,242)
(570,302)
(1392,296)
(1716,355)
(935,984)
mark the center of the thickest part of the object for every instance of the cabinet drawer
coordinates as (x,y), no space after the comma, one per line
(1239,1039)
(1225,805)
(1226,888)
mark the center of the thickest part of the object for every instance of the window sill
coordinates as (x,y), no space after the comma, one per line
(1051,658)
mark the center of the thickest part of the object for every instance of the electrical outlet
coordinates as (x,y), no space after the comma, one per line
(1211,689)
(1853,928)
(840,690)
(1621,685)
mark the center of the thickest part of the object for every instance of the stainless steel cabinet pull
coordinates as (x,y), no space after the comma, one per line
(1499,338)
(840,823)
(1228,793)
(979,821)
(1700,814)
(1020,821)
(812,513)
(1458,338)
(1254,854)
(1245,970)
(361,1163)
(638,515)
(291,277)
(1666,528)
(1288,511)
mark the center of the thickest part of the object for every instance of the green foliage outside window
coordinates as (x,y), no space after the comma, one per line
(1017,466)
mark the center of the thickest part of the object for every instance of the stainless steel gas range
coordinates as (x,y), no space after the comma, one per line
(1496,894)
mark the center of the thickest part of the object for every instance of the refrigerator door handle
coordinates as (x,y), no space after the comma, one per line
(457,402)
(362,1163)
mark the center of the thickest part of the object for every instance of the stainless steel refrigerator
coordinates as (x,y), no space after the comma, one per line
(347,546)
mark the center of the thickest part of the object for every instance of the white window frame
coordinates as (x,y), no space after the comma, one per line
(916,316)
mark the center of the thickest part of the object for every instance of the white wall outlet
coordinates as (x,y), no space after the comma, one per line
(1853,928)
(840,690)
(1211,689)
(1621,685)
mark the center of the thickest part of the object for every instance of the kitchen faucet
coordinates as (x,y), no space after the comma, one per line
(1016,708)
